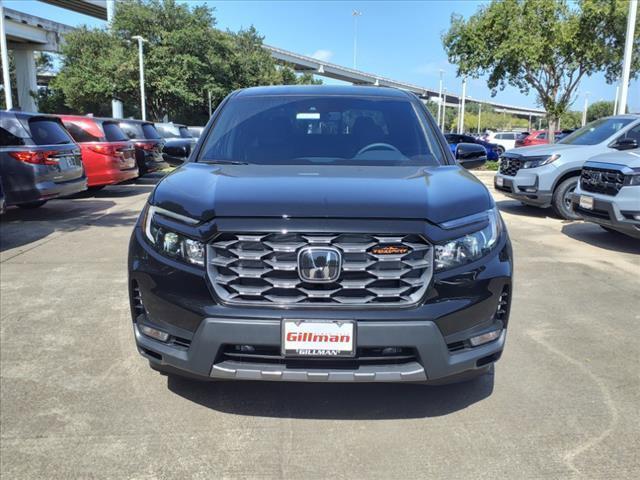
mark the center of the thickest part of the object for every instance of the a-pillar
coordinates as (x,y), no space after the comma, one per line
(26,79)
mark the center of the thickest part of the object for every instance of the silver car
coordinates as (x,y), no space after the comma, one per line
(546,175)
(609,192)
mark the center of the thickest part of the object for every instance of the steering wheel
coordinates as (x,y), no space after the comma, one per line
(378,146)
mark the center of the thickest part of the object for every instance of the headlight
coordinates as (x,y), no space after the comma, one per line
(534,162)
(632,180)
(172,244)
(471,247)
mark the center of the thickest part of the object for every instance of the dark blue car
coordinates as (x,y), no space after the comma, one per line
(453,139)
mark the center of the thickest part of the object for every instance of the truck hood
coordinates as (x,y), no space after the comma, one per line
(628,159)
(537,150)
(436,194)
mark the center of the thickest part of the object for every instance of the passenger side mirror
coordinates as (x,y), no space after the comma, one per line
(625,144)
(176,151)
(471,155)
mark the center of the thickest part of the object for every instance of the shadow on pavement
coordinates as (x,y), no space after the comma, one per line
(19,227)
(333,400)
(514,207)
(592,234)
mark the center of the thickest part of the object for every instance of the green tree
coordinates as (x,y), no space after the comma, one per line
(571,119)
(185,57)
(543,45)
(599,109)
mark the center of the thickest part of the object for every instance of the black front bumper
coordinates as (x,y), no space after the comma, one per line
(459,304)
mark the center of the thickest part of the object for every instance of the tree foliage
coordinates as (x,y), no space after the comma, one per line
(546,46)
(599,109)
(185,58)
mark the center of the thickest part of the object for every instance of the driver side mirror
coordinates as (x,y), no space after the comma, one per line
(625,144)
(471,155)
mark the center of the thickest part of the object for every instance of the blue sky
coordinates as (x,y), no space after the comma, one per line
(399,40)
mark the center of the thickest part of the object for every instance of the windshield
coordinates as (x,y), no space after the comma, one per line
(596,132)
(331,130)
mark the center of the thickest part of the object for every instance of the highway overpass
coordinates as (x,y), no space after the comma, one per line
(303,63)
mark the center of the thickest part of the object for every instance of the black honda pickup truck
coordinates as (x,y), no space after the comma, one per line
(322,234)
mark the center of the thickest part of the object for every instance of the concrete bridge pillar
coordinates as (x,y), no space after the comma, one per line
(26,79)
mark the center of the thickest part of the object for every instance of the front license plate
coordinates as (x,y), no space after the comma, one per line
(586,202)
(500,181)
(318,338)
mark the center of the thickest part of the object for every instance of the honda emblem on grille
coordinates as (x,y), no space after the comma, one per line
(319,264)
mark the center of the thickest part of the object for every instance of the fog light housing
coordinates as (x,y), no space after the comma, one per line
(530,189)
(154,333)
(485,338)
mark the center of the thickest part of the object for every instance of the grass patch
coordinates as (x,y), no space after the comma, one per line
(491,165)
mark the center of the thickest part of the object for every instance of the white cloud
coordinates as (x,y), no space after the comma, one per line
(324,55)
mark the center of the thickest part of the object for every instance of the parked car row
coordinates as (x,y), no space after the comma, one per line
(592,174)
(47,156)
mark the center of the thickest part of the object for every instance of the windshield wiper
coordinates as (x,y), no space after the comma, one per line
(224,162)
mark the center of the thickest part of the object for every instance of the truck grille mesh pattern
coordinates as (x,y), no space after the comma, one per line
(607,182)
(510,165)
(262,269)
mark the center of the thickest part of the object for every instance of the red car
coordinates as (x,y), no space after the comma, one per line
(107,154)
(537,137)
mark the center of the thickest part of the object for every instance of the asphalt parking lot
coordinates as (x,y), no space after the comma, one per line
(77,401)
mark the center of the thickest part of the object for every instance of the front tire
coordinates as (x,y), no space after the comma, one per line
(32,205)
(561,202)
(500,150)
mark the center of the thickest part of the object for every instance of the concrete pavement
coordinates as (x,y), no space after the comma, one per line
(77,401)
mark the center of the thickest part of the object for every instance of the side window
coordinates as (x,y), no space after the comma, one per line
(542,135)
(510,136)
(8,139)
(634,133)
(499,136)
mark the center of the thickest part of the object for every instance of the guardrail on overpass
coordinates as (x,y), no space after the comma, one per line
(338,72)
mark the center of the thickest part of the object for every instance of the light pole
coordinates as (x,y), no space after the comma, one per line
(479,116)
(615,101)
(444,108)
(461,111)
(355,14)
(626,62)
(440,96)
(6,78)
(143,102)
(584,110)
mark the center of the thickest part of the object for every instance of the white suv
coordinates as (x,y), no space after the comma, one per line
(546,175)
(506,140)
(609,192)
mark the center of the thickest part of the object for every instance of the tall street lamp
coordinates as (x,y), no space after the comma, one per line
(479,116)
(626,62)
(440,96)
(355,14)
(462,102)
(444,109)
(141,62)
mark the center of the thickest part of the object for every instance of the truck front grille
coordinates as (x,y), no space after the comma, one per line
(262,269)
(607,182)
(510,165)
